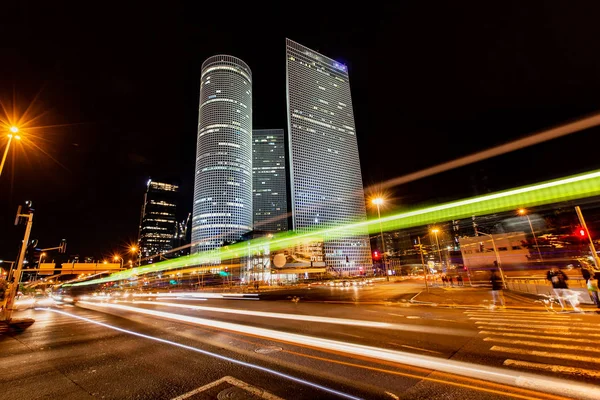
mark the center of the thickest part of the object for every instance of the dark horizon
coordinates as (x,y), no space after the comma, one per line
(427,88)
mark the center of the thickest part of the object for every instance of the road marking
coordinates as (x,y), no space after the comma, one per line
(215,355)
(554,368)
(398,315)
(392,395)
(349,334)
(549,332)
(548,354)
(547,345)
(558,328)
(551,322)
(471,370)
(448,320)
(420,349)
(232,381)
(524,335)
(413,317)
(549,317)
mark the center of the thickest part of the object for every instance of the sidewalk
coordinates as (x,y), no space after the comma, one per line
(465,296)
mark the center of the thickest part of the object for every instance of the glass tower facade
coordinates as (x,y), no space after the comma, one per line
(222,210)
(325,173)
(269,186)
(158,223)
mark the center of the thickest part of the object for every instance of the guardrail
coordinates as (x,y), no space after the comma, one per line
(541,286)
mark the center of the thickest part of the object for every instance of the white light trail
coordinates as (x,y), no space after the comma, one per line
(236,296)
(314,318)
(512,378)
(208,353)
(518,144)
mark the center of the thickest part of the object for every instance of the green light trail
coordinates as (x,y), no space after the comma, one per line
(559,190)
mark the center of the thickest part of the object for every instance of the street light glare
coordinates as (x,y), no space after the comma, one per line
(14,129)
(435,230)
(521,211)
(377,200)
(133,248)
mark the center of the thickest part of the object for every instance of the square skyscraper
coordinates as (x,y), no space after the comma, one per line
(326,182)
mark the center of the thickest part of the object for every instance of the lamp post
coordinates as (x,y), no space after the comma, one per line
(378,201)
(437,242)
(423,263)
(522,211)
(134,249)
(13,130)
(117,258)
(497,256)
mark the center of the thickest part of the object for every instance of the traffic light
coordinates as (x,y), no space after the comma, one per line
(376,255)
(581,233)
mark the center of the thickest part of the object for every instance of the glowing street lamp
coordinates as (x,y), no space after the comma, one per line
(134,250)
(379,201)
(13,130)
(522,211)
(435,231)
(117,258)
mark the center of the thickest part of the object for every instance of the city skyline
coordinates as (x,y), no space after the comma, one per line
(115,129)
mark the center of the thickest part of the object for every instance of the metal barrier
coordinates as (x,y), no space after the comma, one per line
(541,286)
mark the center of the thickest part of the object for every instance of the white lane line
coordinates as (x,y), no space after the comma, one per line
(448,320)
(420,349)
(349,334)
(232,381)
(205,352)
(398,315)
(493,374)
(553,368)
(560,323)
(555,327)
(413,317)
(543,344)
(548,332)
(551,338)
(538,353)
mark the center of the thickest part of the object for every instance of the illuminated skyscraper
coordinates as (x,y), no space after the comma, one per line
(223,178)
(158,222)
(269,182)
(325,173)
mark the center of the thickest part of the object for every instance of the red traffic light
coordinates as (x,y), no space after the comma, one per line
(582,232)
(376,255)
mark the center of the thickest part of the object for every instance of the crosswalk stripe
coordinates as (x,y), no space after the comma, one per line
(553,337)
(553,368)
(548,354)
(539,344)
(556,327)
(550,317)
(537,321)
(549,332)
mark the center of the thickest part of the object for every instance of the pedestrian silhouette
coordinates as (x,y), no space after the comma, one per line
(497,289)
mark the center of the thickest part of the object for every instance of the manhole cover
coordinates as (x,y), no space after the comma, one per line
(268,349)
(234,393)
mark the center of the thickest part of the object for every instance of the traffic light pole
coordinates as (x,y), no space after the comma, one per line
(592,248)
(12,291)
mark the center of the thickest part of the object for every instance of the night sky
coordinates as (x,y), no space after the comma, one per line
(430,83)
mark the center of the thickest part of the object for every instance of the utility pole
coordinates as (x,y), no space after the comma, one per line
(587,232)
(14,287)
(423,263)
(497,257)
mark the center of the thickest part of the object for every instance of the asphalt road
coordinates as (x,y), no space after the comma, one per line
(167,348)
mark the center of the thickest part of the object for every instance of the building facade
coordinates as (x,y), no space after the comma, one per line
(158,222)
(222,210)
(269,186)
(326,182)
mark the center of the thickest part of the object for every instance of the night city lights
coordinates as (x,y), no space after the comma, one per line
(407,208)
